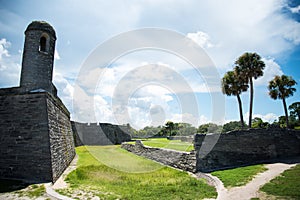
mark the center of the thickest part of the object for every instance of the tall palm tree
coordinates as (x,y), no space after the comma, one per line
(281,87)
(232,84)
(249,66)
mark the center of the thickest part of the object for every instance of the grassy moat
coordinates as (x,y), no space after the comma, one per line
(112,180)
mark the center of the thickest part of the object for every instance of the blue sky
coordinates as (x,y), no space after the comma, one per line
(225,30)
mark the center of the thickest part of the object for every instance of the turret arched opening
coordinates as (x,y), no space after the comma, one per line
(44,43)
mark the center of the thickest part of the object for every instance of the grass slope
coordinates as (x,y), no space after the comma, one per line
(286,185)
(169,144)
(238,176)
(92,176)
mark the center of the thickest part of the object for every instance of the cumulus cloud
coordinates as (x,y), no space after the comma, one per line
(4,45)
(272,69)
(188,118)
(9,66)
(64,88)
(295,9)
(269,117)
(248,32)
(201,39)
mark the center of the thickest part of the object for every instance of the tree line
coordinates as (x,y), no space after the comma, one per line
(185,129)
(248,67)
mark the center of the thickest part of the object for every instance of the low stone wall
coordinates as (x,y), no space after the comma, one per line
(181,160)
(245,147)
(99,134)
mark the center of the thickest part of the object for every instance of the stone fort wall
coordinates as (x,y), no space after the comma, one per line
(36,137)
(230,150)
(36,140)
(245,147)
(99,134)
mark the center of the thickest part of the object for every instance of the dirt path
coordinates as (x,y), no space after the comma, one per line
(251,189)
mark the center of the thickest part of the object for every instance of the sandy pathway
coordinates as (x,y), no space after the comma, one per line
(250,190)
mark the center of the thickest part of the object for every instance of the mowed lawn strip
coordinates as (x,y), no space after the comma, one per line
(168,144)
(92,176)
(238,176)
(286,185)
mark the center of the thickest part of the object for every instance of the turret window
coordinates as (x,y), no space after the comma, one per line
(44,43)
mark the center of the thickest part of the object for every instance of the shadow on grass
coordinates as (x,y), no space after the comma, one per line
(11,185)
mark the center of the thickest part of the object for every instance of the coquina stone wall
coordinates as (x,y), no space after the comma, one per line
(178,159)
(99,134)
(62,146)
(246,147)
(24,139)
(223,151)
(36,142)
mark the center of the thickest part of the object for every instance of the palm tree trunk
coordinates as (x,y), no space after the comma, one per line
(251,102)
(286,113)
(241,110)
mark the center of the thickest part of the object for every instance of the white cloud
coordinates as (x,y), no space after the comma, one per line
(4,44)
(56,55)
(272,69)
(103,110)
(9,66)
(201,39)
(295,9)
(269,117)
(257,32)
(64,88)
(187,118)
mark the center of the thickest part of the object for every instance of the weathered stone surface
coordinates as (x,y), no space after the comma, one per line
(61,137)
(240,148)
(24,138)
(178,159)
(99,134)
(37,64)
(36,142)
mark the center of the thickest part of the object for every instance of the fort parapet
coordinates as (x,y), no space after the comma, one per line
(100,134)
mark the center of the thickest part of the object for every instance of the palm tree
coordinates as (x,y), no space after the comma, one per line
(249,66)
(281,87)
(232,84)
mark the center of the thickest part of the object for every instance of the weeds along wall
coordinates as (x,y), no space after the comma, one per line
(36,140)
(245,147)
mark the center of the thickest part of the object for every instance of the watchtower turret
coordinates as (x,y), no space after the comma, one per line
(38,57)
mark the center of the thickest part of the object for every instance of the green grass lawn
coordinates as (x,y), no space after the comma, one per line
(286,185)
(238,176)
(94,177)
(168,144)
